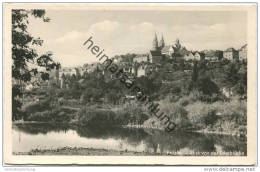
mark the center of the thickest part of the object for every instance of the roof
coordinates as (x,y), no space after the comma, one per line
(210,54)
(183,51)
(189,52)
(244,46)
(166,48)
(155,53)
(213,53)
(230,49)
(201,54)
(140,56)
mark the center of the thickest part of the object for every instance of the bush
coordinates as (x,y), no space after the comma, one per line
(229,117)
(44,116)
(133,113)
(184,101)
(201,114)
(56,115)
(93,116)
(37,107)
(177,113)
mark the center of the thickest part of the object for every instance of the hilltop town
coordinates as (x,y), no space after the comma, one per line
(203,91)
(159,57)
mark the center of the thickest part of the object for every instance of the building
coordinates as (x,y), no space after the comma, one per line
(230,54)
(54,76)
(168,50)
(161,43)
(243,53)
(145,69)
(213,55)
(199,56)
(63,72)
(118,59)
(141,71)
(189,56)
(154,56)
(92,67)
(141,58)
(67,71)
(194,56)
(155,45)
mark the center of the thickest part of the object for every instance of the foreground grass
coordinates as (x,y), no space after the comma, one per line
(82,151)
(109,152)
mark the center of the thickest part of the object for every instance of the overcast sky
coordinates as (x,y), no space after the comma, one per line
(120,32)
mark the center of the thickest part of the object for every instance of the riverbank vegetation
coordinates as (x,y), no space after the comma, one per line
(199,96)
(193,101)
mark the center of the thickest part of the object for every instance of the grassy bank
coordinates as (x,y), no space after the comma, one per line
(191,114)
(82,151)
(109,152)
(188,113)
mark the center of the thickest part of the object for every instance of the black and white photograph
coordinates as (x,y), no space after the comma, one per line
(142,81)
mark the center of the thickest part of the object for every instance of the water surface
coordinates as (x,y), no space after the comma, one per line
(50,136)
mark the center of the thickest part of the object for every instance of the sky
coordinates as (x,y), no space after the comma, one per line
(120,32)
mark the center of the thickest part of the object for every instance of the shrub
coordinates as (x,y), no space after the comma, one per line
(93,116)
(132,112)
(201,114)
(43,116)
(37,107)
(221,116)
(184,101)
(55,115)
(177,113)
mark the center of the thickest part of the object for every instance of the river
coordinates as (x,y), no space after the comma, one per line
(26,137)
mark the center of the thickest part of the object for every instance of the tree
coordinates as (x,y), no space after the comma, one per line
(113,96)
(235,75)
(195,74)
(241,86)
(78,75)
(52,94)
(207,86)
(23,54)
(231,74)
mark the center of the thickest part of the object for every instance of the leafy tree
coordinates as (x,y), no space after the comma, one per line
(78,75)
(53,94)
(195,74)
(148,85)
(23,54)
(231,74)
(235,75)
(207,86)
(113,96)
(241,86)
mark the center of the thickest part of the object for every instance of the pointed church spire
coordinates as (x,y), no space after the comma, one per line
(162,44)
(177,44)
(155,42)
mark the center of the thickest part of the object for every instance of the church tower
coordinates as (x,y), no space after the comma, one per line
(161,44)
(155,43)
(177,44)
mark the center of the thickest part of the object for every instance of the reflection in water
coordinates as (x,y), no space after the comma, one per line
(47,136)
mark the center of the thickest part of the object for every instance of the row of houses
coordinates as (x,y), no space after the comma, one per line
(194,56)
(159,51)
(151,61)
(233,54)
(216,55)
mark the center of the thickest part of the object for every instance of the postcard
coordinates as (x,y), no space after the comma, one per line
(130,84)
